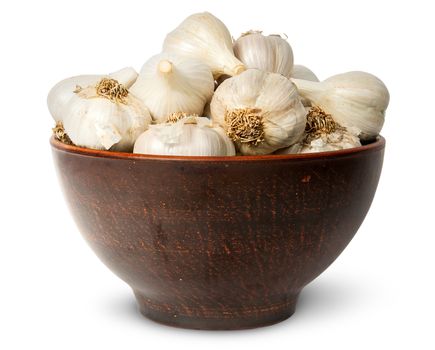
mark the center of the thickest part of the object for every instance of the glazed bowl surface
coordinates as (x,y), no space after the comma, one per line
(218,242)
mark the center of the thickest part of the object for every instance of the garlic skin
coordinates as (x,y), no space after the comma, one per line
(189,136)
(101,117)
(170,83)
(204,37)
(269,53)
(61,93)
(260,111)
(301,72)
(354,99)
(337,140)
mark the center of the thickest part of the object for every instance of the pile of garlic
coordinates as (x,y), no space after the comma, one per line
(208,95)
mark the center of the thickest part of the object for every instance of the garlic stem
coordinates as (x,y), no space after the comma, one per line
(165,67)
(239,69)
(126,76)
(307,88)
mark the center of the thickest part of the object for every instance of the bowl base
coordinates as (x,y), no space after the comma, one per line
(215,319)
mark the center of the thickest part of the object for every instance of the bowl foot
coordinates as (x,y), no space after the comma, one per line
(215,318)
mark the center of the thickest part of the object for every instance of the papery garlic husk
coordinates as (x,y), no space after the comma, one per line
(301,72)
(105,116)
(170,83)
(269,53)
(61,93)
(189,136)
(260,111)
(354,99)
(323,134)
(337,140)
(204,37)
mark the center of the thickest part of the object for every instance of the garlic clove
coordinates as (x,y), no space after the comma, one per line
(269,53)
(107,134)
(189,136)
(354,99)
(301,72)
(260,111)
(170,83)
(204,37)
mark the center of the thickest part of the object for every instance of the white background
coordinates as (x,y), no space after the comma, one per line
(55,294)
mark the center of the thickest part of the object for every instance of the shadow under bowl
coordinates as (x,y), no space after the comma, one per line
(218,242)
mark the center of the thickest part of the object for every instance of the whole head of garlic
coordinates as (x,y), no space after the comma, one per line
(185,135)
(353,99)
(323,134)
(61,93)
(105,116)
(170,83)
(204,37)
(260,111)
(269,53)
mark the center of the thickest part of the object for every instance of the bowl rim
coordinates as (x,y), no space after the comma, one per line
(378,144)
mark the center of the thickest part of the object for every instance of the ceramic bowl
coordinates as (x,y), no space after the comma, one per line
(218,242)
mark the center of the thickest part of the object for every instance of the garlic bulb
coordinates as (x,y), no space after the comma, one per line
(62,92)
(269,53)
(170,83)
(260,111)
(301,72)
(323,134)
(189,136)
(204,37)
(105,116)
(354,99)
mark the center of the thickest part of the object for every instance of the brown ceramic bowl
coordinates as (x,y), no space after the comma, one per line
(218,243)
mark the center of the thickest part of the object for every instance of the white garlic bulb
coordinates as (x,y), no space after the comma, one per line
(269,53)
(105,116)
(189,136)
(354,99)
(170,83)
(323,134)
(62,92)
(301,72)
(260,111)
(204,37)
